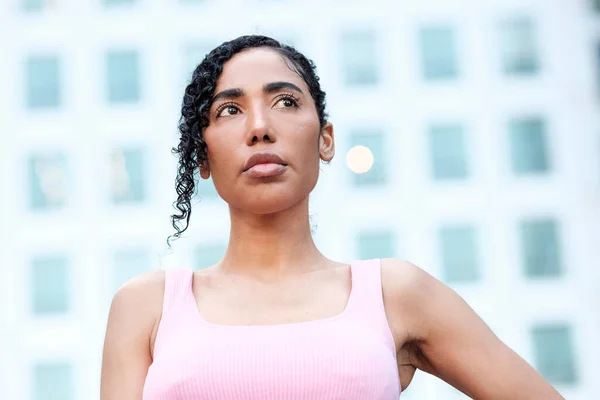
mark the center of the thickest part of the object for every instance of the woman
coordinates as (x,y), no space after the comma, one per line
(275,319)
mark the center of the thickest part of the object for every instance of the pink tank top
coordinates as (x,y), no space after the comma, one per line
(350,356)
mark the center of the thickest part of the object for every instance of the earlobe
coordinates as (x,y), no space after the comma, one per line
(204,171)
(327,143)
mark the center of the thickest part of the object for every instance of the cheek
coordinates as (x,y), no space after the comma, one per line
(220,150)
(307,149)
(306,146)
(308,132)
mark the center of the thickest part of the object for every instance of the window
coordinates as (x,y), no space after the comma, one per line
(359,58)
(48,181)
(458,249)
(42,75)
(374,141)
(128,181)
(518,47)
(375,244)
(123,76)
(553,353)
(129,263)
(448,152)
(207,255)
(529,153)
(33,5)
(50,285)
(540,248)
(438,53)
(53,381)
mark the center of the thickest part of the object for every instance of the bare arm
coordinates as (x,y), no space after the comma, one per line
(134,313)
(453,343)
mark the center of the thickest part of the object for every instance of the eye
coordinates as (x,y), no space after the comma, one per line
(287,101)
(227,110)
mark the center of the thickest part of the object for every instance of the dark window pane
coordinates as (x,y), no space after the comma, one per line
(460,260)
(359,58)
(53,381)
(33,5)
(50,285)
(128,179)
(48,181)
(375,244)
(129,263)
(42,74)
(123,76)
(528,146)
(540,247)
(448,152)
(518,47)
(438,53)
(553,353)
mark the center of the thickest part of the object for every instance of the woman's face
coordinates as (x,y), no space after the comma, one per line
(263,113)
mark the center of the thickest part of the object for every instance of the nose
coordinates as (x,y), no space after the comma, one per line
(259,129)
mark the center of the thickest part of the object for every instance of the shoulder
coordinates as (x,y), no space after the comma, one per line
(127,353)
(401,271)
(145,286)
(403,280)
(425,307)
(411,296)
(138,303)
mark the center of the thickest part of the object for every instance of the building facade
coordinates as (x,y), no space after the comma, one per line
(482,119)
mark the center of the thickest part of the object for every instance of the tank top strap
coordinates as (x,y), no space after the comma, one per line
(367,293)
(178,303)
(178,290)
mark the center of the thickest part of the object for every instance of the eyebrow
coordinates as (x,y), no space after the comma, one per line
(271,87)
(277,86)
(228,94)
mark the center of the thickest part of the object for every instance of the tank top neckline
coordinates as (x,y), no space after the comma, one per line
(350,355)
(285,325)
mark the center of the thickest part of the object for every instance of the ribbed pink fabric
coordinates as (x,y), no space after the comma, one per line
(350,356)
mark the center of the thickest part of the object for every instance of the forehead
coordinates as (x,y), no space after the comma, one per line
(255,67)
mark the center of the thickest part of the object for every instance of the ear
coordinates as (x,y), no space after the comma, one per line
(327,143)
(204,170)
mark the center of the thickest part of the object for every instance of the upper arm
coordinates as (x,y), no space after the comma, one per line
(453,343)
(134,312)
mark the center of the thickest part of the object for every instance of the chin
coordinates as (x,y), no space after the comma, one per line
(268,200)
(265,208)
(269,197)
(271,204)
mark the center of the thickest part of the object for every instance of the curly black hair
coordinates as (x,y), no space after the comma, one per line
(197,101)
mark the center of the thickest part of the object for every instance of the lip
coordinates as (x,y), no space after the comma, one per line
(265,170)
(264,157)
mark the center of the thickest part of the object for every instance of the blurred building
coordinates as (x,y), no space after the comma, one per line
(482,119)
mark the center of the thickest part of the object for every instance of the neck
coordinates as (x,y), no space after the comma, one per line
(272,245)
